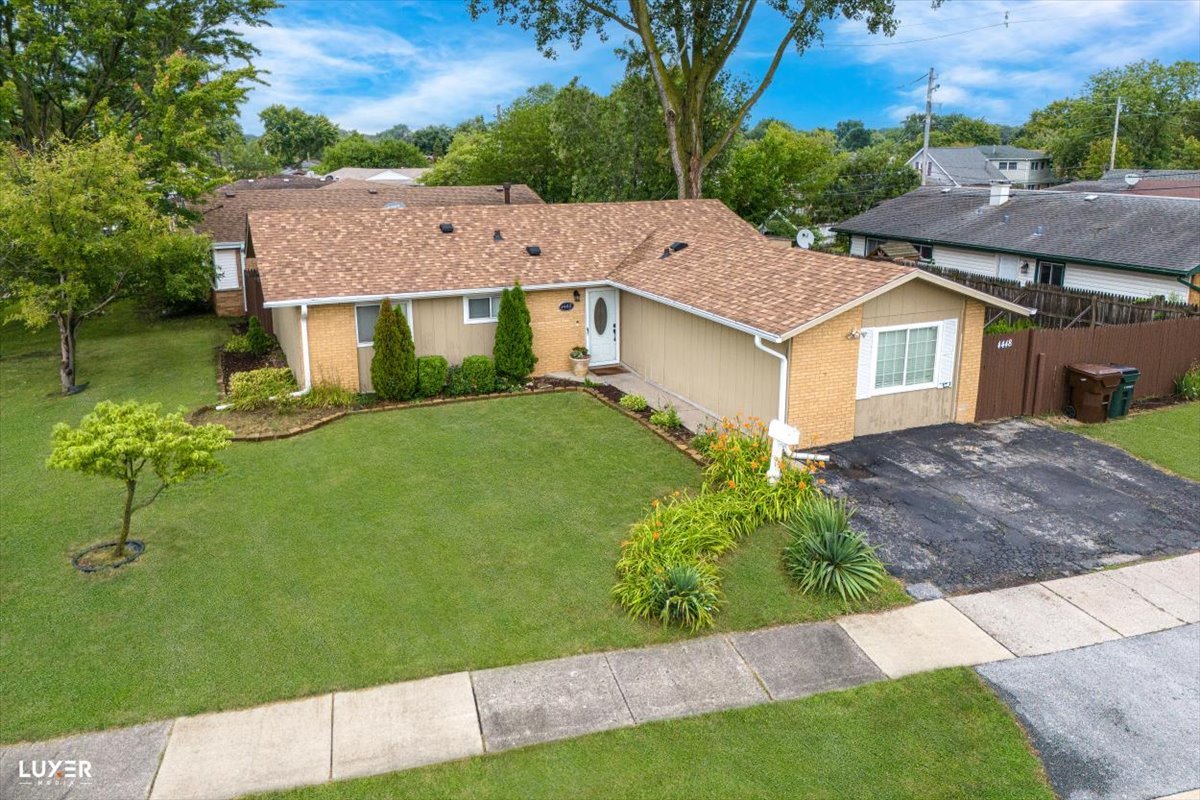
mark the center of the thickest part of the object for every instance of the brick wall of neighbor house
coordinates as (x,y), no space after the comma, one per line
(970,353)
(823,372)
(228,303)
(333,345)
(555,332)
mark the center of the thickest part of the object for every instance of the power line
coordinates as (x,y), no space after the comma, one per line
(1003,24)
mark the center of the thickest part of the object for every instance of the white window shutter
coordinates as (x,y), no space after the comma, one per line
(866,364)
(946,347)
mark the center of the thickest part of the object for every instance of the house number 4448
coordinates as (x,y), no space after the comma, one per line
(1004,344)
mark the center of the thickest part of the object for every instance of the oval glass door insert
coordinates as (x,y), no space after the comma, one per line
(600,316)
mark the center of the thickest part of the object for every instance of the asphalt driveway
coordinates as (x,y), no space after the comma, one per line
(1116,719)
(970,507)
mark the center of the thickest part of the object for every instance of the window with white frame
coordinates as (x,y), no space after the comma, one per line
(906,358)
(481,308)
(365,316)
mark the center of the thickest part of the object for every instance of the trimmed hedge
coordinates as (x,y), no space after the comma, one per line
(475,375)
(432,372)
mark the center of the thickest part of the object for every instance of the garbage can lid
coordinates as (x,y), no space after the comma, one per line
(1126,369)
(1094,370)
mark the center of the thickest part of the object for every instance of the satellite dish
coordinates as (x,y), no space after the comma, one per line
(1132,179)
(805,238)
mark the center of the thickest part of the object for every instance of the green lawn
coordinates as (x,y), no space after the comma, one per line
(379,548)
(1167,437)
(933,736)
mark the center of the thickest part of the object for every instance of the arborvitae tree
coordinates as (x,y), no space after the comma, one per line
(513,350)
(394,365)
(257,337)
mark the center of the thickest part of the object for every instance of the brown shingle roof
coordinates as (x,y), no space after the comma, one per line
(224,216)
(727,270)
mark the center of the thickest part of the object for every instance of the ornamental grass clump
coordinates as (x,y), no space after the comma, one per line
(826,556)
(695,530)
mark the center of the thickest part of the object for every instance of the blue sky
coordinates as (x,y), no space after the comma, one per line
(368,64)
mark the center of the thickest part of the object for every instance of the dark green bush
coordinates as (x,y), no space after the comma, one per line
(255,388)
(394,364)
(475,375)
(259,341)
(825,556)
(513,349)
(431,375)
(1187,385)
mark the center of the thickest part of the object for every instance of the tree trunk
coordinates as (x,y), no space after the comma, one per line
(130,488)
(66,340)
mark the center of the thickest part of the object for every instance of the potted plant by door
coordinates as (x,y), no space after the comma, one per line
(580,361)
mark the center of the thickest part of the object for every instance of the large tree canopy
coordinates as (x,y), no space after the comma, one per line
(357,150)
(68,63)
(293,135)
(686,47)
(1160,120)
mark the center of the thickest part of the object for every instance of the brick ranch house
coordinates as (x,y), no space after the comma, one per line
(223,215)
(682,292)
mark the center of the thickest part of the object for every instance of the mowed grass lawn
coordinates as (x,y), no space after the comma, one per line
(1168,437)
(935,736)
(379,548)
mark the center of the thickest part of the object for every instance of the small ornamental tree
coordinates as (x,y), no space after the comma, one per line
(257,337)
(394,365)
(123,440)
(513,350)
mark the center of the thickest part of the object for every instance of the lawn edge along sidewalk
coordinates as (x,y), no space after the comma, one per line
(448,717)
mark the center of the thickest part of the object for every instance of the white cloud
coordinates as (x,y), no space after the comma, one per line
(367,78)
(1047,50)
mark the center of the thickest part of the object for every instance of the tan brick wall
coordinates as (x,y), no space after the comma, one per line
(228,303)
(555,332)
(333,345)
(823,375)
(971,351)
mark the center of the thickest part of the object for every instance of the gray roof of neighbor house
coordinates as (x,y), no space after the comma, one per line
(694,254)
(1153,234)
(1157,174)
(1166,183)
(970,165)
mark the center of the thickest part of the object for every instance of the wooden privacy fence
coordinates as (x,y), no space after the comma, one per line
(254,299)
(1069,308)
(1024,372)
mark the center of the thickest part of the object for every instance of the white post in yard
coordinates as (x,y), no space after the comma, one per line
(781,435)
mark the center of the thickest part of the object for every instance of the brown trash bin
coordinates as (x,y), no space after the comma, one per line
(1090,389)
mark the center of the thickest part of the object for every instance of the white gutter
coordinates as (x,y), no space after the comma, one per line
(307,357)
(783,376)
(376,298)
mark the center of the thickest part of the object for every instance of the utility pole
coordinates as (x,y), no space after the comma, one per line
(928,121)
(1112,154)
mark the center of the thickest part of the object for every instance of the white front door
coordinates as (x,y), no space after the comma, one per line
(602,311)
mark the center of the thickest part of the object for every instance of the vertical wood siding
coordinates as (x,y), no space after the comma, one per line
(714,366)
(911,304)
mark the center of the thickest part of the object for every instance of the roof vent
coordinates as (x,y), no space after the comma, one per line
(533,250)
(1005,220)
(677,246)
(231,194)
(947,189)
(446,227)
(1089,198)
(1040,230)
(393,204)
(372,190)
(666,253)
(497,236)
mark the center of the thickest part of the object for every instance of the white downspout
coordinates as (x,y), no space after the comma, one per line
(783,376)
(304,347)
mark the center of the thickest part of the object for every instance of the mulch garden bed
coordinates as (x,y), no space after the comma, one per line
(229,363)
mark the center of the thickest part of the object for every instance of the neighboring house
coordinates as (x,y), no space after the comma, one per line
(682,292)
(223,216)
(275,182)
(1159,182)
(1132,245)
(983,165)
(397,175)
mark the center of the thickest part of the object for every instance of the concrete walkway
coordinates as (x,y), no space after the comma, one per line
(694,417)
(405,725)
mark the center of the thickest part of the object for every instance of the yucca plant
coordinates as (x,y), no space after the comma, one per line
(833,561)
(686,594)
(821,514)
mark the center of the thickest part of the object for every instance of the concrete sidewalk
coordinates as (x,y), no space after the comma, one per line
(448,717)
